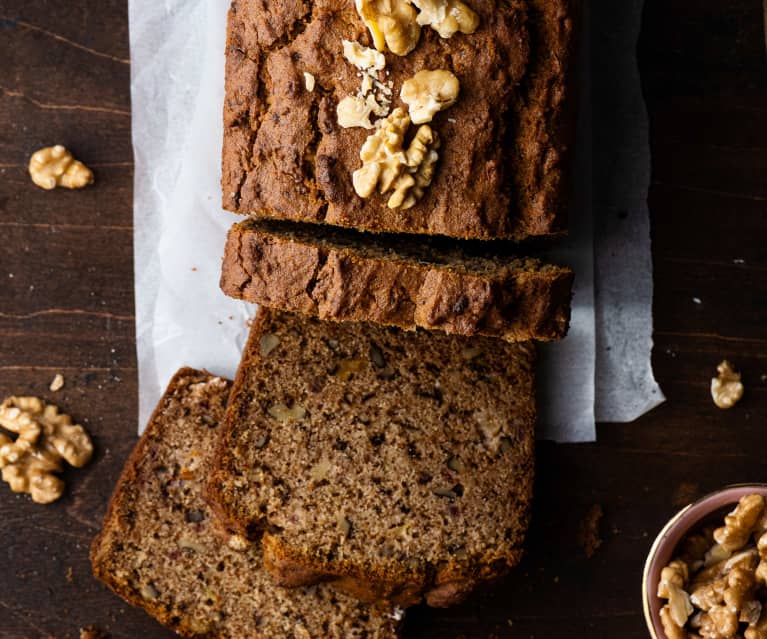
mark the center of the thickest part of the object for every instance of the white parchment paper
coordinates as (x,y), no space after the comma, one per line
(177,56)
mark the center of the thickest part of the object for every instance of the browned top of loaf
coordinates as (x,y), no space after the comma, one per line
(501,166)
(403,459)
(161,550)
(401,281)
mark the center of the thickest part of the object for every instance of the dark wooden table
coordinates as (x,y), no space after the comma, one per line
(66,306)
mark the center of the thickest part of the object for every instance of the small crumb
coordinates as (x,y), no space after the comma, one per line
(697,300)
(738,261)
(452,120)
(588,531)
(556,579)
(57,383)
(194,268)
(309,81)
(726,388)
(70,575)
(92,632)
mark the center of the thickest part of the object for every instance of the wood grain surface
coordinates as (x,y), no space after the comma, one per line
(66,306)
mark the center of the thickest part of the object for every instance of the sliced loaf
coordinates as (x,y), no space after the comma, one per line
(161,550)
(397,281)
(399,464)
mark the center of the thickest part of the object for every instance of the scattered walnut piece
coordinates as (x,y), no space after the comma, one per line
(739,524)
(392,24)
(354,111)
(447,17)
(588,530)
(91,632)
(428,92)
(726,389)
(55,166)
(44,439)
(57,383)
(309,81)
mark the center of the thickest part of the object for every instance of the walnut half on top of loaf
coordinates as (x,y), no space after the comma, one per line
(502,170)
(336,274)
(399,464)
(161,549)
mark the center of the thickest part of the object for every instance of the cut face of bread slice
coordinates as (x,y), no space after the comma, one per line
(397,281)
(398,463)
(161,550)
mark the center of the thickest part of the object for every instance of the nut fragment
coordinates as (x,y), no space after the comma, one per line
(57,383)
(428,92)
(447,16)
(726,389)
(238,543)
(309,81)
(363,57)
(387,165)
(45,439)
(739,524)
(392,24)
(347,368)
(149,592)
(267,343)
(354,111)
(55,166)
(670,628)
(282,413)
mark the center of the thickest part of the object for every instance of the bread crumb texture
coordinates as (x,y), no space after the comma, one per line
(400,463)
(162,550)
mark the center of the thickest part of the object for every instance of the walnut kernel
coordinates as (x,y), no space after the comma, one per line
(739,524)
(353,111)
(282,413)
(726,389)
(428,92)
(57,383)
(55,166)
(387,165)
(447,17)
(45,438)
(363,58)
(392,24)
(267,343)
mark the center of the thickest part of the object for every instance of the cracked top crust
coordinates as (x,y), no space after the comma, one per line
(500,171)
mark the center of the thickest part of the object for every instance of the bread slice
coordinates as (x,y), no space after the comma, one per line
(503,160)
(161,550)
(397,281)
(398,463)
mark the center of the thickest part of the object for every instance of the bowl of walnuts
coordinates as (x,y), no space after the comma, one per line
(706,574)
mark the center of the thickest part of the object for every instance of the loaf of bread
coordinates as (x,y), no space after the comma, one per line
(160,548)
(406,282)
(399,464)
(503,144)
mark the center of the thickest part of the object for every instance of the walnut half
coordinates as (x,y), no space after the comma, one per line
(55,166)
(45,438)
(389,166)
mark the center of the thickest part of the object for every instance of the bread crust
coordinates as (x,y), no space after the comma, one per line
(339,278)
(503,167)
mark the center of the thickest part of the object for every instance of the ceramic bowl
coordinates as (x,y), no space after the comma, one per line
(664,547)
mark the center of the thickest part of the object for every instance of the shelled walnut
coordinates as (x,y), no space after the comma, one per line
(726,389)
(45,439)
(54,166)
(720,593)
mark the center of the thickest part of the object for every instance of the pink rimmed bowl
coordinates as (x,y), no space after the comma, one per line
(663,549)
